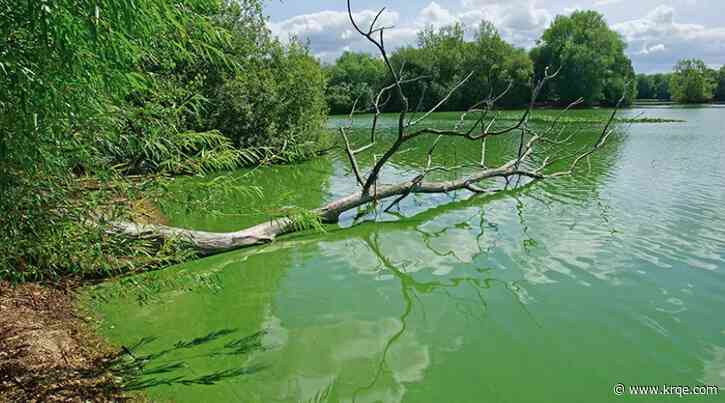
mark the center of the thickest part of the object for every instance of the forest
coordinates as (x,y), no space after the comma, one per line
(595,67)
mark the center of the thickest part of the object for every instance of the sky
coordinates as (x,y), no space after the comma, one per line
(658,33)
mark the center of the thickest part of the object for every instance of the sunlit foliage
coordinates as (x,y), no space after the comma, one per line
(106,88)
(691,82)
(591,58)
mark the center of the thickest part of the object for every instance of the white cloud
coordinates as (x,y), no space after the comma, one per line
(436,16)
(652,49)
(600,3)
(519,21)
(657,40)
(330,32)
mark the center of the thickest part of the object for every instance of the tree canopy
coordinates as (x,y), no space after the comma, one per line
(720,90)
(496,63)
(591,58)
(590,54)
(442,57)
(653,86)
(692,82)
(354,76)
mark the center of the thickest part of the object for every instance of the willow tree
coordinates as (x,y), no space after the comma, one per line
(93,91)
(476,125)
(63,66)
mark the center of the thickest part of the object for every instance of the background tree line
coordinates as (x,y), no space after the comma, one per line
(690,82)
(591,57)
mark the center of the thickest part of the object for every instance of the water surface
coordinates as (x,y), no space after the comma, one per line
(552,293)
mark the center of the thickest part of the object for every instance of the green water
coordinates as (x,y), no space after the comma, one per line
(553,293)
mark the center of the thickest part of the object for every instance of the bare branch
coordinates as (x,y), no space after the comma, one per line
(487,132)
(375,20)
(371,191)
(442,101)
(351,157)
(601,140)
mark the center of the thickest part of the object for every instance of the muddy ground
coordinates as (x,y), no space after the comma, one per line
(48,351)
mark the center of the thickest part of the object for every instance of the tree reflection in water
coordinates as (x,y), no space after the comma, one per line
(412,290)
(150,370)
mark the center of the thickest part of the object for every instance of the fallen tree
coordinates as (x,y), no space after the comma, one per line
(409,127)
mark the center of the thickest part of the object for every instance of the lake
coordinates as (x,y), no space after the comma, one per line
(554,292)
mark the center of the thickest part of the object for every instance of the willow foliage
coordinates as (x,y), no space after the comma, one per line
(106,88)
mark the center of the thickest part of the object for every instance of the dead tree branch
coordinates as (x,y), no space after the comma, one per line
(468,176)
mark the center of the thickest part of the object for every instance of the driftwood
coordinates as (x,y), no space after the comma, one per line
(408,128)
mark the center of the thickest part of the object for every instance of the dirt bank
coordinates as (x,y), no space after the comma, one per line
(48,352)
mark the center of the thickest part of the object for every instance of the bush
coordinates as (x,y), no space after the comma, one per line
(102,88)
(277,102)
(205,108)
(354,77)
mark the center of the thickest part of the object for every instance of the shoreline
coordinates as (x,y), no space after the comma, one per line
(49,350)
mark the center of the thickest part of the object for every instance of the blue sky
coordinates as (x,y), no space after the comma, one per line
(657,32)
